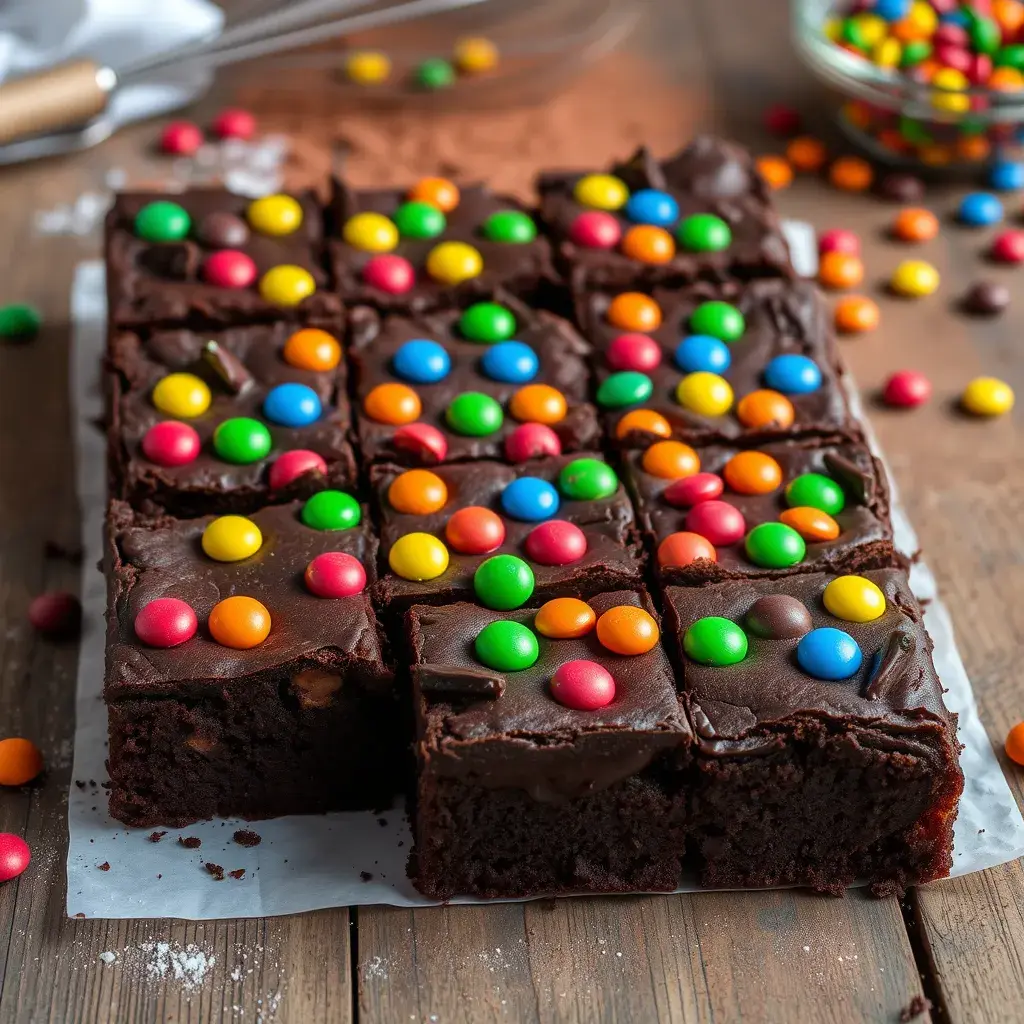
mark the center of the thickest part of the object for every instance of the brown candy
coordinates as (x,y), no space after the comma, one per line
(900,187)
(778,617)
(986,298)
(222,230)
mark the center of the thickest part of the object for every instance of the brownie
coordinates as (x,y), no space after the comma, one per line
(865,538)
(137,360)
(523,268)
(560,352)
(612,559)
(709,175)
(518,795)
(782,318)
(306,721)
(151,283)
(803,781)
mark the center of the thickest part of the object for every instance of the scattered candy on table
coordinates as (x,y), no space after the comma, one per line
(181,138)
(851,174)
(782,120)
(914,224)
(1007,175)
(368,67)
(980,209)
(900,187)
(806,154)
(14,856)
(56,613)
(1014,745)
(856,314)
(776,170)
(19,321)
(234,123)
(986,298)
(433,74)
(914,279)
(475,55)
(838,270)
(839,240)
(20,761)
(987,396)
(1008,247)
(907,389)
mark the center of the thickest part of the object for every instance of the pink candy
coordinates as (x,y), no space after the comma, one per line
(907,389)
(166,622)
(583,685)
(596,229)
(335,574)
(181,138)
(229,268)
(839,240)
(1008,247)
(693,489)
(234,123)
(556,542)
(633,352)
(717,521)
(14,856)
(424,441)
(289,466)
(171,443)
(389,273)
(531,441)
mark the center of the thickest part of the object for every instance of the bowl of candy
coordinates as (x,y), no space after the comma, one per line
(932,83)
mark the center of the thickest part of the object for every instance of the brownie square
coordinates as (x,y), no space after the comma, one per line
(138,360)
(518,795)
(163,282)
(865,532)
(806,781)
(612,559)
(306,721)
(560,353)
(781,318)
(523,268)
(707,176)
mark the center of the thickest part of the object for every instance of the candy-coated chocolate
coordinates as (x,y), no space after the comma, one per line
(538,403)
(601,192)
(782,120)
(906,389)
(706,394)
(986,298)
(792,375)
(165,622)
(596,229)
(828,653)
(439,192)
(312,349)
(475,55)
(331,510)
(556,542)
(721,320)
(474,414)
(776,170)
(389,273)
(806,154)
(20,761)
(634,311)
(223,230)
(775,546)
(1008,247)
(854,599)
(487,322)
(242,440)
(987,396)
(416,219)
(851,174)
(291,465)
(170,443)
(839,240)
(275,215)
(587,480)
(286,285)
(627,630)
(475,530)
(512,227)
(511,362)
(506,646)
(980,209)
(418,556)
(234,123)
(162,221)
(811,523)
(417,492)
(778,617)
(292,405)
(765,408)
(181,138)
(633,352)
(229,268)
(563,618)
(182,394)
(644,421)
(702,352)
(652,206)
(1008,175)
(239,622)
(529,499)
(703,232)
(454,262)
(1015,744)
(816,491)
(855,314)
(715,641)
(370,232)
(19,321)
(231,539)
(423,440)
(583,685)
(392,403)
(627,387)
(368,67)
(914,279)
(840,270)
(531,441)
(692,490)
(434,73)
(718,521)
(648,244)
(15,856)
(670,460)
(335,574)
(421,361)
(55,613)
(752,473)
(681,548)
(503,582)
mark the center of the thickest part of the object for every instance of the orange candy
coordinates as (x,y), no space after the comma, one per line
(1005,80)
(239,622)
(627,630)
(806,153)
(1009,16)
(856,314)
(840,270)
(20,761)
(1015,743)
(851,174)
(671,460)
(776,170)
(392,403)
(915,225)
(538,403)
(679,549)
(648,244)
(811,523)
(634,311)
(644,421)
(973,147)
(752,473)
(312,349)
(417,492)
(935,155)
(765,408)
(891,139)
(857,114)
(439,192)
(564,617)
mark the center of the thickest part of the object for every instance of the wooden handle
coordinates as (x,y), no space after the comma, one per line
(62,97)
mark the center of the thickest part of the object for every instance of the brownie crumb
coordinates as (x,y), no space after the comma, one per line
(190,842)
(244,837)
(79,914)
(155,837)
(80,783)
(915,1008)
(237,873)
(216,870)
(383,822)
(366,876)
(886,888)
(105,866)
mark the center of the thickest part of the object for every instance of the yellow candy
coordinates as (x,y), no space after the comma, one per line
(368,67)
(914,279)
(231,538)
(705,393)
(475,55)
(454,262)
(872,28)
(370,232)
(275,215)
(854,599)
(887,53)
(601,192)
(286,285)
(952,82)
(987,396)
(833,29)
(418,556)
(924,17)
(182,395)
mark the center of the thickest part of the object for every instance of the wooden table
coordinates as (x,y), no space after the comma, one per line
(768,956)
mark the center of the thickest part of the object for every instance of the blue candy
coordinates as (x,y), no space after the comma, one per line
(891,10)
(980,209)
(511,362)
(828,653)
(792,375)
(651,206)
(1006,175)
(421,361)
(530,499)
(702,352)
(292,405)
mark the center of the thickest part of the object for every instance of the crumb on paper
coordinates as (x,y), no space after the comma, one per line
(155,837)
(215,870)
(246,837)
(238,873)
(190,842)
(105,866)
(366,876)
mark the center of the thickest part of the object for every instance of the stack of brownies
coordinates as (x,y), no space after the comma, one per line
(555,520)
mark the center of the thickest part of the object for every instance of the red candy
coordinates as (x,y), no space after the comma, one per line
(907,389)
(1008,247)
(717,521)
(166,622)
(171,443)
(583,685)
(14,856)
(556,542)
(954,56)
(682,548)
(475,530)
(633,352)
(389,273)
(782,120)
(335,574)
(229,268)
(289,466)
(839,240)
(181,138)
(531,441)
(596,229)
(950,34)
(234,123)
(427,443)
(56,613)
(693,489)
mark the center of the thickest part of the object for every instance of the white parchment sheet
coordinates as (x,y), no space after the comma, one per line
(309,862)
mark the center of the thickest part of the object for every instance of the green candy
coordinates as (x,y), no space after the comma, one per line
(704,232)
(853,34)
(434,73)
(1011,56)
(419,220)
(914,131)
(915,51)
(506,646)
(474,414)
(624,388)
(503,582)
(487,322)
(715,641)
(510,226)
(587,480)
(242,440)
(162,221)
(721,320)
(775,546)
(985,34)
(331,510)
(817,491)
(19,320)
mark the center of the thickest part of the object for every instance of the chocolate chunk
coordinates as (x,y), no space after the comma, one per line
(155,837)
(442,681)
(216,870)
(105,866)
(778,617)
(900,187)
(986,298)
(237,873)
(246,838)
(228,367)
(190,842)
(222,230)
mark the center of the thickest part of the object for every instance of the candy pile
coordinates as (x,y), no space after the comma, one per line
(471,56)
